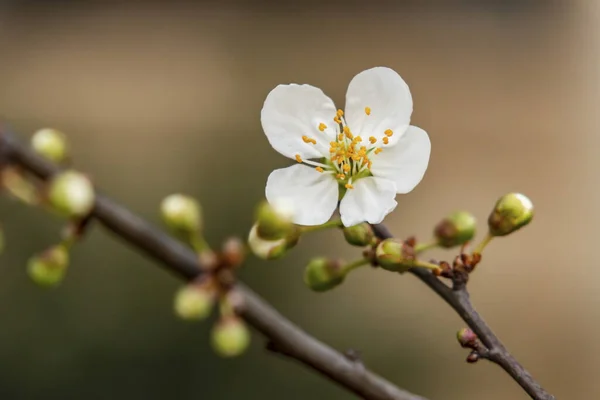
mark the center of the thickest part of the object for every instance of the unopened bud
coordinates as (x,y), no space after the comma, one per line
(322,274)
(234,251)
(181,213)
(390,254)
(71,194)
(270,249)
(466,337)
(194,302)
(230,337)
(274,220)
(511,212)
(473,357)
(48,269)
(51,144)
(359,235)
(456,229)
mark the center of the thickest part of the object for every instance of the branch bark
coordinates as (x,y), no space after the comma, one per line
(460,301)
(179,260)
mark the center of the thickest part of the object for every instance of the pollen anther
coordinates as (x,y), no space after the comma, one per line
(322,127)
(319,169)
(298,158)
(368,110)
(389,132)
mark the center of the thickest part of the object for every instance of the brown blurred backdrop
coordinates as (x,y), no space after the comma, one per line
(165,97)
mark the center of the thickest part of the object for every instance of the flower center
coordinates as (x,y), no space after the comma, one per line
(349,159)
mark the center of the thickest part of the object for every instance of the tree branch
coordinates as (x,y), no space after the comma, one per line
(179,260)
(459,300)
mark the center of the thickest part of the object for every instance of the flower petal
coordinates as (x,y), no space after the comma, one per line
(313,195)
(389,101)
(405,162)
(370,200)
(293,111)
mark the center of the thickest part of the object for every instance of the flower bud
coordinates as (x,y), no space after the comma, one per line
(51,144)
(274,220)
(71,194)
(390,254)
(49,268)
(359,235)
(270,249)
(193,302)
(466,337)
(234,251)
(181,213)
(512,211)
(322,274)
(456,229)
(230,337)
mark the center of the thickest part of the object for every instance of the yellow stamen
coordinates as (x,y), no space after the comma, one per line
(306,139)
(340,137)
(357,139)
(368,110)
(349,186)
(298,158)
(341,176)
(340,113)
(389,132)
(322,127)
(378,150)
(346,167)
(319,169)
(337,120)
(372,139)
(386,140)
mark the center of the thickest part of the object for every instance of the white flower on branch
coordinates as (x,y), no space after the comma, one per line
(361,157)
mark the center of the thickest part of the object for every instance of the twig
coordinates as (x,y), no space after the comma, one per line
(459,300)
(179,260)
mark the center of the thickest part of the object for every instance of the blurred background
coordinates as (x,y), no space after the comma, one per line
(165,97)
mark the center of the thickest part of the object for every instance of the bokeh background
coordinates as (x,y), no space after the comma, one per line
(165,97)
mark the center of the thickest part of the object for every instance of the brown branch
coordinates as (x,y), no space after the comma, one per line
(289,339)
(459,300)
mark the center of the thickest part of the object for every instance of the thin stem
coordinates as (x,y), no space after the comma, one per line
(422,247)
(198,243)
(427,265)
(336,223)
(486,240)
(355,264)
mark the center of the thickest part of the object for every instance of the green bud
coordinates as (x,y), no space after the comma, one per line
(230,337)
(181,213)
(194,302)
(511,212)
(50,144)
(49,268)
(359,235)
(322,274)
(270,249)
(71,194)
(274,220)
(390,255)
(456,229)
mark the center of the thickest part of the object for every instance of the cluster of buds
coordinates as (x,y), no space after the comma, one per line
(469,340)
(273,234)
(216,282)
